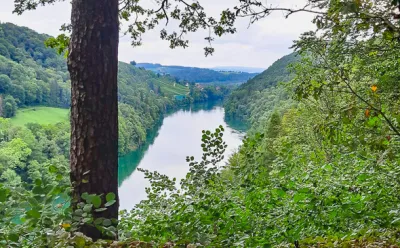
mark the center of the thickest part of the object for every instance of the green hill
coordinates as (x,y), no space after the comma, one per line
(255,100)
(34,75)
(199,75)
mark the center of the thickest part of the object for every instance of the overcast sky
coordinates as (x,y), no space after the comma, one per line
(257,46)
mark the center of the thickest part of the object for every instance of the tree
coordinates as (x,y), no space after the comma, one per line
(9,106)
(5,83)
(93,67)
(274,125)
(4,51)
(133,63)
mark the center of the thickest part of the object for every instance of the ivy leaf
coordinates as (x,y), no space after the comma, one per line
(96,201)
(109,203)
(85,196)
(106,222)
(98,221)
(110,197)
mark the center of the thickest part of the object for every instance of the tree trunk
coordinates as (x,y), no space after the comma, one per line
(93,67)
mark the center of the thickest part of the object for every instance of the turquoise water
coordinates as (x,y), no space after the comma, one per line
(177,136)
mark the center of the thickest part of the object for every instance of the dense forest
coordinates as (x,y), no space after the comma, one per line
(32,74)
(199,75)
(253,101)
(319,167)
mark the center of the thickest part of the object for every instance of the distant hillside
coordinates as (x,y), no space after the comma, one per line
(199,75)
(238,68)
(259,96)
(33,75)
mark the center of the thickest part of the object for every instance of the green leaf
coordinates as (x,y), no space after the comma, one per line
(299,197)
(362,177)
(304,190)
(33,213)
(53,169)
(110,197)
(397,220)
(78,212)
(106,222)
(85,196)
(38,190)
(109,203)
(96,201)
(80,241)
(280,192)
(98,221)
(88,208)
(13,237)
(87,220)
(3,195)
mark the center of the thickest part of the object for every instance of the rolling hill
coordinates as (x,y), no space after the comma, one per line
(256,99)
(199,75)
(32,75)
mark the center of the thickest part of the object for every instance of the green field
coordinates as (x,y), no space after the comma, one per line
(41,115)
(173,89)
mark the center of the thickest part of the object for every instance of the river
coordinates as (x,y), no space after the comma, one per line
(177,136)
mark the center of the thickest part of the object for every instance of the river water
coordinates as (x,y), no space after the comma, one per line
(177,136)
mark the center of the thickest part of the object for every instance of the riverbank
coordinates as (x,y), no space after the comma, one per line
(179,135)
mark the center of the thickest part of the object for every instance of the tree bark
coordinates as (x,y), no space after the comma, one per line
(93,67)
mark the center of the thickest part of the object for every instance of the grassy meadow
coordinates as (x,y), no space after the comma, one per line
(41,115)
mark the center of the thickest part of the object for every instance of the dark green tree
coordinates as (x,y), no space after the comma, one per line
(4,51)
(274,125)
(9,107)
(5,83)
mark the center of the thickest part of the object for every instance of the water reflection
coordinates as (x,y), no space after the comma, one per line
(178,136)
(128,163)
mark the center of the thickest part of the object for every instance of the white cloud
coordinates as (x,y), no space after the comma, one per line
(258,45)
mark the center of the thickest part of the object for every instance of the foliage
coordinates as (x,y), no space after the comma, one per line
(322,170)
(36,75)
(9,106)
(254,100)
(200,93)
(35,190)
(29,72)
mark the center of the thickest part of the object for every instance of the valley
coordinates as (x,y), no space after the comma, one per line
(199,75)
(96,152)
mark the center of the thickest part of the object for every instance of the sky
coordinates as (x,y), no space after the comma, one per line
(256,46)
